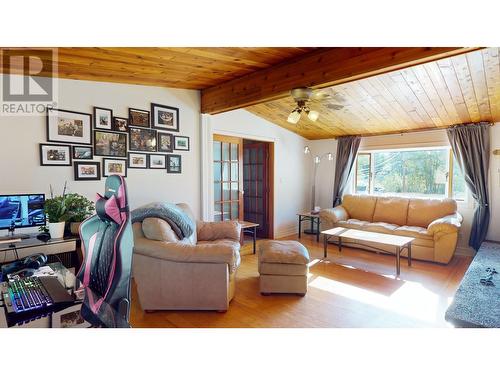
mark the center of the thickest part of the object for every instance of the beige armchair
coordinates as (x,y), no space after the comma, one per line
(196,273)
(434,223)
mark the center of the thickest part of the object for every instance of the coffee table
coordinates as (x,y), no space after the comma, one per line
(399,242)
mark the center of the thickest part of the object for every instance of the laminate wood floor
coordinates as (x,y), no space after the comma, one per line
(354,288)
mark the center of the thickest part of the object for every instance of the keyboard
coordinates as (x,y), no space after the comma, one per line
(27,294)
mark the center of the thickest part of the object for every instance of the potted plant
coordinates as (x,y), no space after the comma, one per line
(79,208)
(57,214)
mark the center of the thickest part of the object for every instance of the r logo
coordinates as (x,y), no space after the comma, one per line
(28,74)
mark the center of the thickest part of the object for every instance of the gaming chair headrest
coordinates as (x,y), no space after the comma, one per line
(113,206)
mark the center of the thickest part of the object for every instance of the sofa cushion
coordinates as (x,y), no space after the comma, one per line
(158,230)
(422,212)
(380,227)
(391,210)
(353,224)
(416,232)
(359,207)
(288,252)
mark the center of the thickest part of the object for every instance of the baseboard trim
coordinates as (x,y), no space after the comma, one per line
(285,231)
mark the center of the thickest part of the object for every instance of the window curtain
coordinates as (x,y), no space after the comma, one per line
(471,146)
(347,149)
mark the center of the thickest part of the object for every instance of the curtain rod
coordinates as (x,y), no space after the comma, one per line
(401,132)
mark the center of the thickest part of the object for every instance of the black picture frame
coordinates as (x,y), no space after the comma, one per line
(169,164)
(140,124)
(75,157)
(122,153)
(152,156)
(159,146)
(156,122)
(132,143)
(86,119)
(77,176)
(116,127)
(176,137)
(47,164)
(99,126)
(130,165)
(104,172)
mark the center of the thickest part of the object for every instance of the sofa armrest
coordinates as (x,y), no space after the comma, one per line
(334,214)
(447,224)
(219,230)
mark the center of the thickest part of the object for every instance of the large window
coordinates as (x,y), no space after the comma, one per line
(423,172)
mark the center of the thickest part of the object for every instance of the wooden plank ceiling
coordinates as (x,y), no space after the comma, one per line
(460,89)
(188,68)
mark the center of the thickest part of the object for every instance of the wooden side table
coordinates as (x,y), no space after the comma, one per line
(313,219)
(248,227)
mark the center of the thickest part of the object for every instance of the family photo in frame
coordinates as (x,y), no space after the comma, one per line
(110,144)
(79,136)
(165,117)
(68,126)
(55,154)
(138,117)
(142,140)
(87,170)
(103,118)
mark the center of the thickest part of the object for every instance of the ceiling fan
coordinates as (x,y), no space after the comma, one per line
(304,95)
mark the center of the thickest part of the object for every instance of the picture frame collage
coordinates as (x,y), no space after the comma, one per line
(144,140)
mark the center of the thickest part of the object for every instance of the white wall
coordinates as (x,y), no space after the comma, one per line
(494,229)
(326,170)
(19,152)
(291,192)
(422,139)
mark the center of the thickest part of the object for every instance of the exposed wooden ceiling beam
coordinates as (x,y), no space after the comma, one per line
(323,68)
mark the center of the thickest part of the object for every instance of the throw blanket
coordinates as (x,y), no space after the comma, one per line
(180,222)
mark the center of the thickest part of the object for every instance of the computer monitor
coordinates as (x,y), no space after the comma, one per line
(22,211)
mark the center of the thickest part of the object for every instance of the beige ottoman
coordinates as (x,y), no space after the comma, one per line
(283,267)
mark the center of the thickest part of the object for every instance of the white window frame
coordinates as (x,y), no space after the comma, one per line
(449,191)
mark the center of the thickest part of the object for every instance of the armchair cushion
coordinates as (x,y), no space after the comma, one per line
(212,231)
(158,230)
(223,251)
(447,224)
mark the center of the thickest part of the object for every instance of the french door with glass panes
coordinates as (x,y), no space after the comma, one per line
(256,185)
(228,194)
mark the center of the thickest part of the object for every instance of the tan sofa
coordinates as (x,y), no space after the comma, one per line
(197,273)
(433,223)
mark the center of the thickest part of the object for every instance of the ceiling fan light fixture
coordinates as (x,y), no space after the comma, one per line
(313,115)
(294,117)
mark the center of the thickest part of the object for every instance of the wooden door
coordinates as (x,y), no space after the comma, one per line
(256,185)
(228,183)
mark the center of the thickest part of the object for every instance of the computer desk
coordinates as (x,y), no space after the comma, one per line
(62,249)
(62,317)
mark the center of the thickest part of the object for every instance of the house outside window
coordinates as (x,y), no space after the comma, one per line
(418,172)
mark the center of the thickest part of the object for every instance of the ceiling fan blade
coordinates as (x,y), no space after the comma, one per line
(320,95)
(337,96)
(334,106)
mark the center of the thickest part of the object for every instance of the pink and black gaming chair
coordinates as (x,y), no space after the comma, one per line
(107,246)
